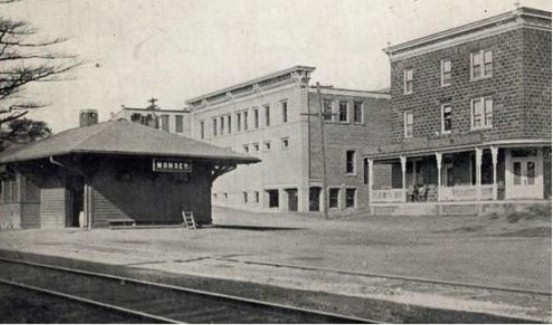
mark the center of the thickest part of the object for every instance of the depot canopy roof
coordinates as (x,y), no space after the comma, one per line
(121,137)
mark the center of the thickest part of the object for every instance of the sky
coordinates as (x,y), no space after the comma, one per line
(174,50)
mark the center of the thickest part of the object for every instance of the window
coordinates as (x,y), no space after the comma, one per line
(481,64)
(273,198)
(446,118)
(238,122)
(229,124)
(408,124)
(215,196)
(256,196)
(256,118)
(285,143)
(284,112)
(445,76)
(225,196)
(246,148)
(350,197)
(245,196)
(267,115)
(327,110)
(357,112)
(365,171)
(165,122)
(267,145)
(245,120)
(333,197)
(481,113)
(255,146)
(222,122)
(214,127)
(408,81)
(179,123)
(343,111)
(350,162)
(202,129)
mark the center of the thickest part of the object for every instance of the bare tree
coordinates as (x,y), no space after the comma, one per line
(26,59)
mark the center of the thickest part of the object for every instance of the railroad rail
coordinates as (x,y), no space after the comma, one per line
(389,276)
(155,302)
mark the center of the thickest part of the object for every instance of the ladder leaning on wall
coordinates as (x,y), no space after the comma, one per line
(189,221)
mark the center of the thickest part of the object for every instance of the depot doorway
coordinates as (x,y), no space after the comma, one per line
(75,200)
(292,199)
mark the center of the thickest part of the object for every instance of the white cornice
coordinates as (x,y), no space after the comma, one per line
(349,92)
(520,18)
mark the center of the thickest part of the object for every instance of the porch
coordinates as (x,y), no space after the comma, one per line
(467,175)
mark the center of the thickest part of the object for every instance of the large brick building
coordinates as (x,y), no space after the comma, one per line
(274,117)
(472,110)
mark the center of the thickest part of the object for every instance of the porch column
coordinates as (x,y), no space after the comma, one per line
(371,164)
(403,161)
(478,167)
(439,165)
(494,150)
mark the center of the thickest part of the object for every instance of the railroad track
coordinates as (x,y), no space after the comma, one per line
(155,302)
(391,276)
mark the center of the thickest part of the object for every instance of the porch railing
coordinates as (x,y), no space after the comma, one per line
(466,193)
(387,196)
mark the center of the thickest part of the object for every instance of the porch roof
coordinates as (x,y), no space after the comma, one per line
(423,146)
(122,137)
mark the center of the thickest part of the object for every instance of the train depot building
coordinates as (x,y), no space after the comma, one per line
(111,173)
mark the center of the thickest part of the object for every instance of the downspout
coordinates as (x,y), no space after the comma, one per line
(85,194)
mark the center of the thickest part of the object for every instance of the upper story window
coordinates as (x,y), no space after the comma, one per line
(343,111)
(255,146)
(350,162)
(481,113)
(245,120)
(446,118)
(267,145)
(408,123)
(327,110)
(256,118)
(238,121)
(165,122)
(357,112)
(202,130)
(445,72)
(284,111)
(222,125)
(214,127)
(267,115)
(246,148)
(481,64)
(408,81)
(229,123)
(179,123)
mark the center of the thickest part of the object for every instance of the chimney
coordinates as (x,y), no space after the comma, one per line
(88,117)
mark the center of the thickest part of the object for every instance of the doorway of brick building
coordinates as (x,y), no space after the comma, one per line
(292,199)
(314,198)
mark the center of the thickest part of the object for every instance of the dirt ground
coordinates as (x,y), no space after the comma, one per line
(243,246)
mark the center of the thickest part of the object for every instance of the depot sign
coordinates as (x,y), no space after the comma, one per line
(172,166)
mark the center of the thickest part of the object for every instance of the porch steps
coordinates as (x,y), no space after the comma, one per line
(459,210)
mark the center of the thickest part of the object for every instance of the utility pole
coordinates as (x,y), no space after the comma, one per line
(323,152)
(321,115)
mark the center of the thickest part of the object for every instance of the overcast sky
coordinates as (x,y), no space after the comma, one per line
(178,49)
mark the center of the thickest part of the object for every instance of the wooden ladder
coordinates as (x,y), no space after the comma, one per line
(189,222)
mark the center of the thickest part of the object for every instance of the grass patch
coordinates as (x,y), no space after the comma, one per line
(533,212)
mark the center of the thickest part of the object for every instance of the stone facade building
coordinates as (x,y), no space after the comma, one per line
(472,110)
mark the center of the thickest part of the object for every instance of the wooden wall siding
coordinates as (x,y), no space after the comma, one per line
(10,216)
(146,197)
(30,215)
(53,207)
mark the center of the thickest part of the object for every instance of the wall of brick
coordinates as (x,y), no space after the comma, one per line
(506,86)
(537,83)
(342,137)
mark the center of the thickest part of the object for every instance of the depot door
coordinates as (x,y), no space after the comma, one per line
(292,199)
(525,171)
